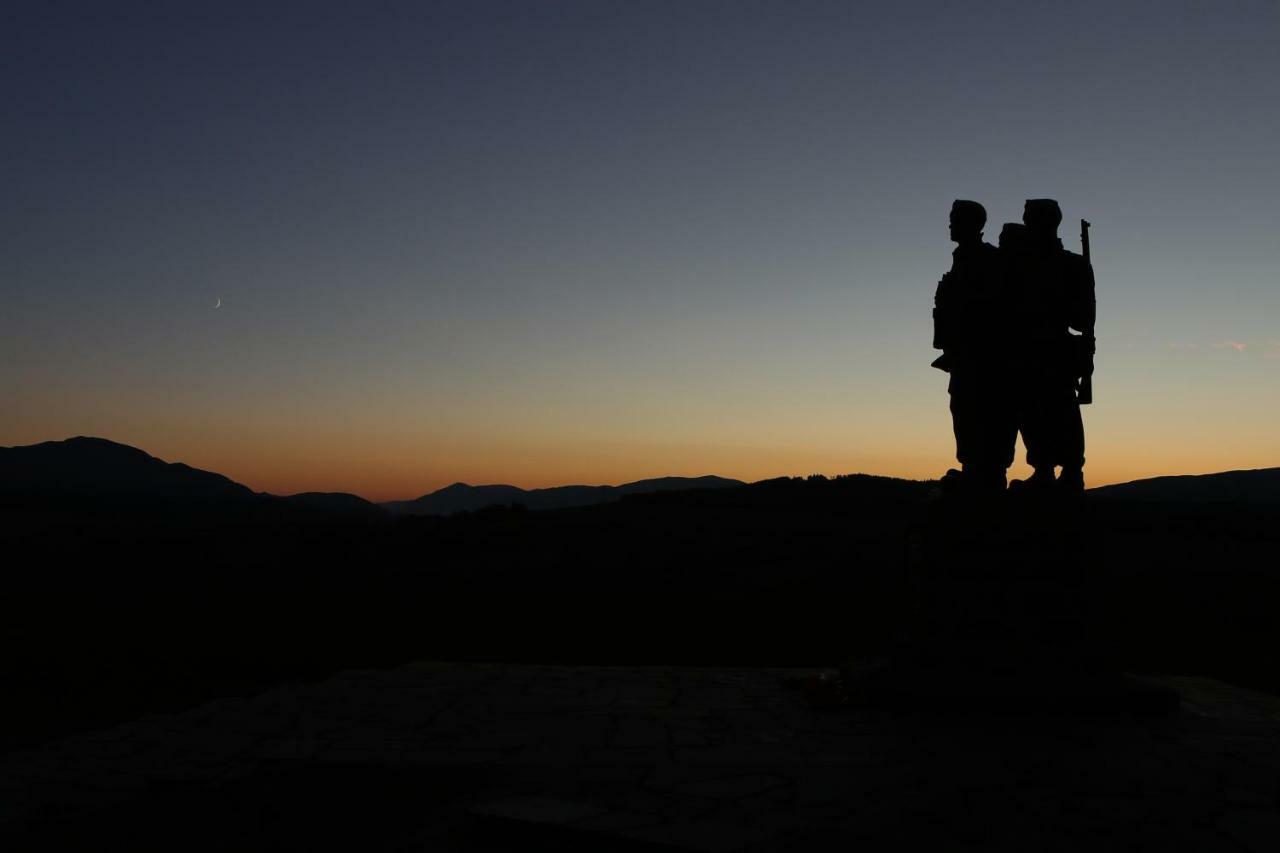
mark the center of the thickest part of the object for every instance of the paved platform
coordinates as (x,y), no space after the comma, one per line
(439,756)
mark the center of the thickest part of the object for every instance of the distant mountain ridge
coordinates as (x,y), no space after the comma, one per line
(88,471)
(1250,486)
(86,467)
(99,472)
(461,497)
(96,471)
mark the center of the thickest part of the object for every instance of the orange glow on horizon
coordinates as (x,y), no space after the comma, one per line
(357,452)
(378,478)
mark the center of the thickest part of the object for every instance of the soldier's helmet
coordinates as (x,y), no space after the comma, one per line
(968,213)
(1042,215)
(1013,236)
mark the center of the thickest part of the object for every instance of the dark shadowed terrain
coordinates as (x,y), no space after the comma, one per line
(461,497)
(181,586)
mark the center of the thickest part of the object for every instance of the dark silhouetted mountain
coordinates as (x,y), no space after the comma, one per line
(90,468)
(461,497)
(336,503)
(1257,486)
(85,472)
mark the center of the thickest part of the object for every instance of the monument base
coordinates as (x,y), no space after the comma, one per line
(1005,619)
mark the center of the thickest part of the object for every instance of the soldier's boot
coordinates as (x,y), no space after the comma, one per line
(984,480)
(1071,480)
(1041,480)
(972,481)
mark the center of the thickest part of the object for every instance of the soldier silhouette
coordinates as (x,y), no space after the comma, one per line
(1052,293)
(969,318)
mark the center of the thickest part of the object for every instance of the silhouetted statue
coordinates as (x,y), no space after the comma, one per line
(969,326)
(1052,293)
(1013,246)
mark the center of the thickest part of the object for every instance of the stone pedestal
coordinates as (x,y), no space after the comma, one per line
(1006,617)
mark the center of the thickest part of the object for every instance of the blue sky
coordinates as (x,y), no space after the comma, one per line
(559,242)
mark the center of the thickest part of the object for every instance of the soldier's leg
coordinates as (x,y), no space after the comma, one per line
(962,418)
(969,422)
(1036,420)
(1071,444)
(1005,430)
(998,422)
(971,417)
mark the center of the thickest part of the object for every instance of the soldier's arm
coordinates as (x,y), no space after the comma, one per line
(1084,303)
(941,311)
(1084,311)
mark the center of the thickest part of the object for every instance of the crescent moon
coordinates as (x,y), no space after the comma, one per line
(218,304)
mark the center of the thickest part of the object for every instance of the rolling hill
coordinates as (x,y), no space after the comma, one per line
(461,497)
(86,472)
(1256,486)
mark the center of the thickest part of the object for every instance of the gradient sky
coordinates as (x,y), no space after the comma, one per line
(546,242)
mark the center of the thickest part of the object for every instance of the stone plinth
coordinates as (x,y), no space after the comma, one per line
(1005,618)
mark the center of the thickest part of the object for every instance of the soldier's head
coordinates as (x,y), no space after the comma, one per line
(1013,236)
(1042,216)
(967,220)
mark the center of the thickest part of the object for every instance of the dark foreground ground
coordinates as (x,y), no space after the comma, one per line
(474,757)
(109,615)
(616,675)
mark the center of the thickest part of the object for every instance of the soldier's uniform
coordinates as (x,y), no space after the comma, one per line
(970,311)
(1054,293)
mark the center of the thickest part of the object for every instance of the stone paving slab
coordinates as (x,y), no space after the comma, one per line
(660,758)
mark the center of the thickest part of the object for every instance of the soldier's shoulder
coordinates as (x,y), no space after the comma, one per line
(1072,260)
(984,252)
(1075,266)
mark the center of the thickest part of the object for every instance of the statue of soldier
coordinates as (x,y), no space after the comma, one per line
(969,318)
(1053,294)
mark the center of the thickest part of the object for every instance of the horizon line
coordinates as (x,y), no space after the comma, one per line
(287,493)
